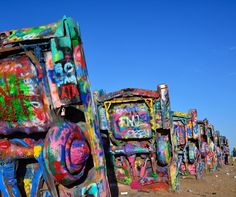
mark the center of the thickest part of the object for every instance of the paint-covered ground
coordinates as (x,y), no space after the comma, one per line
(219,184)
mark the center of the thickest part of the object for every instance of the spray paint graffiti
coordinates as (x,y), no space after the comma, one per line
(211,154)
(131,121)
(140,136)
(193,113)
(49,128)
(21,101)
(210,151)
(223,142)
(188,140)
(46,102)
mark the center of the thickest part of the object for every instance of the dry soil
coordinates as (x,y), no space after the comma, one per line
(221,183)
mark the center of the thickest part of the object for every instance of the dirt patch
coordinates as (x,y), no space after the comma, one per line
(221,183)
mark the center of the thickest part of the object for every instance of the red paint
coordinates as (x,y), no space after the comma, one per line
(40,114)
(161,174)
(57,168)
(4,144)
(39,71)
(150,186)
(59,177)
(21,68)
(78,52)
(69,91)
(29,141)
(8,102)
(155,186)
(56,165)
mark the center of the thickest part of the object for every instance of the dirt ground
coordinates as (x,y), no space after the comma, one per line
(221,183)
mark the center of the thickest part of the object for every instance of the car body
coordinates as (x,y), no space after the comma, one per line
(138,137)
(207,145)
(219,152)
(49,138)
(188,141)
(212,149)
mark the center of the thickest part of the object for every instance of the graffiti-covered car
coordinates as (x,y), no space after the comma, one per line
(188,143)
(202,124)
(219,152)
(207,146)
(140,139)
(49,137)
(211,156)
(224,146)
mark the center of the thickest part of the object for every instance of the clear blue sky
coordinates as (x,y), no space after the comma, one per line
(190,45)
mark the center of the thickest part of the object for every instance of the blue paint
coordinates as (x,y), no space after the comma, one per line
(19,141)
(9,176)
(35,182)
(3,187)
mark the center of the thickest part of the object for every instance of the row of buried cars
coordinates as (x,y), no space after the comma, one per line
(57,138)
(149,145)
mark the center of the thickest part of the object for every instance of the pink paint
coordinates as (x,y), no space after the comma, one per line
(192,169)
(182,167)
(135,184)
(132,162)
(143,169)
(78,152)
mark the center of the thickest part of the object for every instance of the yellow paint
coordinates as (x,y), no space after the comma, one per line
(173,176)
(37,151)
(182,114)
(27,186)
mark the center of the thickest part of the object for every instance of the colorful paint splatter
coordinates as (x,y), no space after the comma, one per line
(188,140)
(52,132)
(48,122)
(140,136)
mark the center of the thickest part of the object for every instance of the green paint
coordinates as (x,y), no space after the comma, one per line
(100,168)
(127,179)
(15,108)
(57,54)
(75,43)
(154,175)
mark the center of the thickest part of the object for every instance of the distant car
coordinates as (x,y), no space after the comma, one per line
(208,148)
(49,138)
(219,151)
(188,143)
